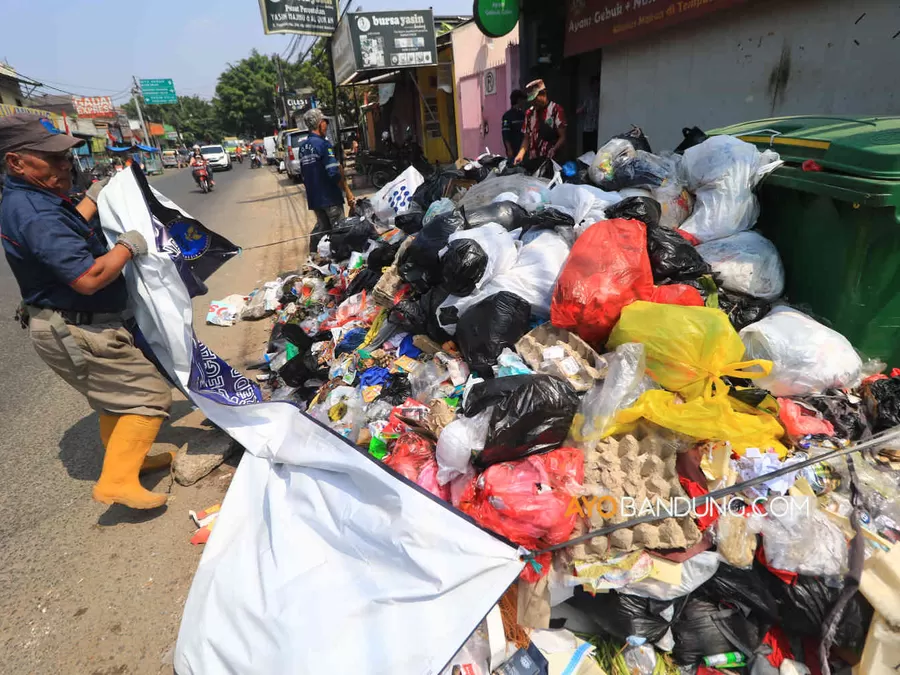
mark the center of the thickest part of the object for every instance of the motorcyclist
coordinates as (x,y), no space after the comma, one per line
(199,161)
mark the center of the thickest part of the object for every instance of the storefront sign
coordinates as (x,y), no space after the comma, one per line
(496,18)
(591,24)
(384,41)
(156,129)
(158,92)
(303,17)
(94,106)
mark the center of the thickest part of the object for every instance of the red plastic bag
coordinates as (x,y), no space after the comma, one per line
(412,456)
(607,269)
(800,421)
(527,501)
(677,294)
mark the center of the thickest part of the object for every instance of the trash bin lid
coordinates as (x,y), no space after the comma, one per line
(860,146)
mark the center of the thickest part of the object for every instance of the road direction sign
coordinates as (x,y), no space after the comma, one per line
(158,91)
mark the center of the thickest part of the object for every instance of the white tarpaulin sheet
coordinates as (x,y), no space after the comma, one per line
(322,560)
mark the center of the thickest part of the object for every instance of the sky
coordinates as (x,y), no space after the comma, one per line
(93,47)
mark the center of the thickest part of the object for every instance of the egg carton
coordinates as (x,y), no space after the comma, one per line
(558,352)
(642,469)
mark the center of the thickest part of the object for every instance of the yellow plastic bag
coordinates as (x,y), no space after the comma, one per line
(711,418)
(688,348)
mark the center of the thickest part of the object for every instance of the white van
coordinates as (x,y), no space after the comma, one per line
(269,144)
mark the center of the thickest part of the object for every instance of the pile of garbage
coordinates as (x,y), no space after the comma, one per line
(601,368)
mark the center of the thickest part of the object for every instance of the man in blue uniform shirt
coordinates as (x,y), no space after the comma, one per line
(322,177)
(74,302)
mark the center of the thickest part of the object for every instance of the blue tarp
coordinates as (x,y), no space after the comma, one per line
(131,148)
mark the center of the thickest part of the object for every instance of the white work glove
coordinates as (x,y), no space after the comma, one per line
(134,241)
(93,192)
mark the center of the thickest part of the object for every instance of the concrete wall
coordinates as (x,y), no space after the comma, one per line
(760,60)
(479,113)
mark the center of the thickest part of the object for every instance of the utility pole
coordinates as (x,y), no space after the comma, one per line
(337,114)
(136,92)
(281,87)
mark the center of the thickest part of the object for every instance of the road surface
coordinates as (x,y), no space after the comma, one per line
(86,588)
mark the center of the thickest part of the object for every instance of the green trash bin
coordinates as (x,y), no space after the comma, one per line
(838,229)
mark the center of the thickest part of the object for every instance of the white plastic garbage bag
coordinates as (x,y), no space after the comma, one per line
(746,262)
(459,439)
(498,244)
(318,546)
(807,357)
(585,203)
(722,171)
(532,278)
(396,197)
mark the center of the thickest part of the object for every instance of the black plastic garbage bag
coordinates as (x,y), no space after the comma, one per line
(364,280)
(636,137)
(463,266)
(622,615)
(418,316)
(411,221)
(507,214)
(351,234)
(847,416)
(488,326)
(749,587)
(692,136)
(535,417)
(421,264)
(548,219)
(673,258)
(397,390)
(434,187)
(804,606)
(705,628)
(882,399)
(742,310)
(645,209)
(382,256)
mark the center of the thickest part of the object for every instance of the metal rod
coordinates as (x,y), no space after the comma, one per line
(724,492)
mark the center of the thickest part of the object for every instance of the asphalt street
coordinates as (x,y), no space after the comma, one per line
(86,588)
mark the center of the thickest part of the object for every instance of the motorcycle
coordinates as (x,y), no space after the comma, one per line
(201,175)
(255,161)
(239,156)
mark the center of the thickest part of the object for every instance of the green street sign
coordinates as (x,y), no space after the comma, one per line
(158,92)
(496,18)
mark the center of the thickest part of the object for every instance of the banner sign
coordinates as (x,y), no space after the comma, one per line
(591,24)
(94,106)
(384,41)
(303,17)
(158,92)
(496,18)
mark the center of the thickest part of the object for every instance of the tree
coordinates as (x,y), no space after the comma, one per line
(192,116)
(245,96)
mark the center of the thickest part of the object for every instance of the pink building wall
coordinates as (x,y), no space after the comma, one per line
(475,59)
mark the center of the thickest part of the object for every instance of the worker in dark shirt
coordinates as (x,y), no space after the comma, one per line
(74,302)
(322,177)
(513,121)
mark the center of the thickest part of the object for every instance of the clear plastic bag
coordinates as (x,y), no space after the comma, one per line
(803,540)
(807,357)
(722,172)
(426,380)
(695,572)
(342,410)
(746,262)
(487,190)
(584,203)
(442,205)
(675,201)
(458,441)
(625,382)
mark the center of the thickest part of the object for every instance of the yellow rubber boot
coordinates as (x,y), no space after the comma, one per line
(126,449)
(152,463)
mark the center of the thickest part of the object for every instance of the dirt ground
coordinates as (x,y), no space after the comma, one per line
(86,588)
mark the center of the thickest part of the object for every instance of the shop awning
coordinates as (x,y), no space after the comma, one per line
(131,148)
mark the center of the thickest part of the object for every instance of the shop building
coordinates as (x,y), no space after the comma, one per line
(486,71)
(665,65)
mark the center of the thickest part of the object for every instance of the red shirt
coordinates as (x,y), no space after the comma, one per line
(534,119)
